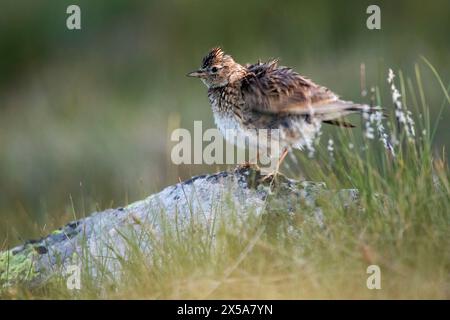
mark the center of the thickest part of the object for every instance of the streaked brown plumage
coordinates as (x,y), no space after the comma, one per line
(268,96)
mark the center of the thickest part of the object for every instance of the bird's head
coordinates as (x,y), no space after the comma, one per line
(218,69)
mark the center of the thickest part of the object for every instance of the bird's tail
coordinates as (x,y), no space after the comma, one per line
(333,112)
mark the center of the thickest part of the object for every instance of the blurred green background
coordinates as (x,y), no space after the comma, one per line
(85,115)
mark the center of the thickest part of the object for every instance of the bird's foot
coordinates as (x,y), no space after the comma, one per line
(247,165)
(271,176)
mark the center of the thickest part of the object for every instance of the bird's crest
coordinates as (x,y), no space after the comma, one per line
(215,55)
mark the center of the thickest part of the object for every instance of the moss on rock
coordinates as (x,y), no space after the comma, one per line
(16,267)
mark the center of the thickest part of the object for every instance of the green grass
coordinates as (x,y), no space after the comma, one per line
(400,223)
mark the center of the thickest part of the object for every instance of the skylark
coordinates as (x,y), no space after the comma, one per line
(250,97)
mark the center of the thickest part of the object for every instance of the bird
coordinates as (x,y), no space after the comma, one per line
(248,98)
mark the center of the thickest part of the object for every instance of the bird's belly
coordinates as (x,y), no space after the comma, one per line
(233,130)
(289,132)
(300,132)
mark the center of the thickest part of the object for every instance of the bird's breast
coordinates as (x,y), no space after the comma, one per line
(226,120)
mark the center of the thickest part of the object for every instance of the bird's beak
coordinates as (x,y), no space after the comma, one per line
(197,74)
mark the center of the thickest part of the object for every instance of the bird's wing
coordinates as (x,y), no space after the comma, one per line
(271,89)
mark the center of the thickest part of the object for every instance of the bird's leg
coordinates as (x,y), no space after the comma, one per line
(283,156)
(274,173)
(257,160)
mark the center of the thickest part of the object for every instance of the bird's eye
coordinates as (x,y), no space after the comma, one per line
(214,69)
